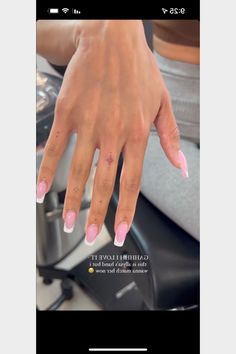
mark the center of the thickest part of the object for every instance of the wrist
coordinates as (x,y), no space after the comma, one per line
(92,28)
(121,27)
(120,24)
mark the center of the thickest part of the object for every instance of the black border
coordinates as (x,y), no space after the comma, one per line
(118,10)
(159,331)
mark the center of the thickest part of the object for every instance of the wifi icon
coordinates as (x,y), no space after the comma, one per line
(65,10)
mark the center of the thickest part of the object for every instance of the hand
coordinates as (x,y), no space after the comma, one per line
(111,94)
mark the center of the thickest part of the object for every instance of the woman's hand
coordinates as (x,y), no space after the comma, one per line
(111,94)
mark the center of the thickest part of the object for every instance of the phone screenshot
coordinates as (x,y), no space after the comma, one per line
(117,161)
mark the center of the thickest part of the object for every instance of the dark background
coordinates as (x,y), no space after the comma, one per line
(159,331)
(119,10)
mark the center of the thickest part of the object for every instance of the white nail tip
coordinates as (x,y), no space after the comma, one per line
(67,230)
(118,244)
(89,243)
(185,174)
(40,200)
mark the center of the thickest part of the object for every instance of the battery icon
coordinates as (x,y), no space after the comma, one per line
(53,11)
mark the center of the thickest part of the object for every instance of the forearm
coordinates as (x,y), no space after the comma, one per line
(56,40)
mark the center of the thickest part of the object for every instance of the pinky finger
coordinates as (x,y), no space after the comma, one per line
(53,151)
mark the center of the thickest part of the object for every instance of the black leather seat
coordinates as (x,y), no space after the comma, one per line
(172,280)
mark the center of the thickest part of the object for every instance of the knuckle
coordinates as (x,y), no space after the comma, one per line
(63,107)
(115,124)
(78,172)
(96,214)
(125,213)
(75,187)
(72,201)
(131,185)
(166,104)
(166,96)
(95,218)
(97,205)
(45,171)
(51,150)
(98,210)
(175,133)
(89,118)
(76,190)
(105,185)
(139,133)
(119,125)
(172,134)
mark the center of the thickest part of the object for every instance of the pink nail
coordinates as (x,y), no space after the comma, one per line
(69,221)
(121,233)
(41,191)
(183,164)
(91,234)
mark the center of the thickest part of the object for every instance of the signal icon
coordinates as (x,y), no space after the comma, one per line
(65,10)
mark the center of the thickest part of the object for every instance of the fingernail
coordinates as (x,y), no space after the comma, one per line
(91,234)
(121,233)
(183,164)
(69,221)
(41,191)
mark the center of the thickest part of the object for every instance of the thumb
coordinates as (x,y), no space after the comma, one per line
(168,132)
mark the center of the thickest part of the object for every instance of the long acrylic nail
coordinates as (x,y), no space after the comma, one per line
(121,233)
(41,191)
(91,234)
(183,164)
(69,221)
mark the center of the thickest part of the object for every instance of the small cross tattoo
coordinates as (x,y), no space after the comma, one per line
(109,159)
